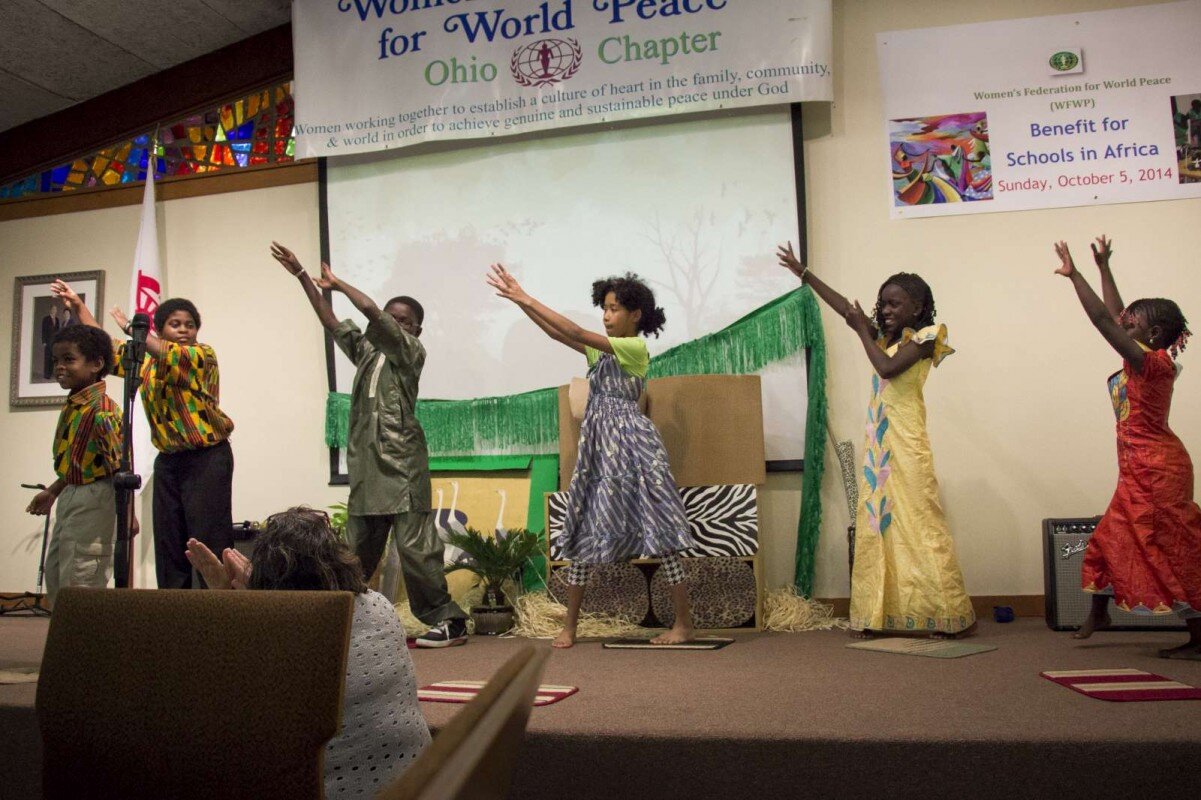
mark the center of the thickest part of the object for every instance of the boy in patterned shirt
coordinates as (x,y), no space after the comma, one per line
(87,452)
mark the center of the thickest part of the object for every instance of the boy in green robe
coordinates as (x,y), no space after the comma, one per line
(387,456)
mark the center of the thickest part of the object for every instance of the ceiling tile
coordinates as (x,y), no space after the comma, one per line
(60,52)
(23,101)
(48,50)
(253,16)
(163,34)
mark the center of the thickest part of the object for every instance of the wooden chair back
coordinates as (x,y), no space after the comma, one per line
(191,694)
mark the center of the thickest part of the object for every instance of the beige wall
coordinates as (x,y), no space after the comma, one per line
(269,344)
(1019,418)
(96,240)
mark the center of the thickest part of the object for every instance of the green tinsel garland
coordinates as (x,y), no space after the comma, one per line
(528,423)
(809,526)
(770,333)
(524,423)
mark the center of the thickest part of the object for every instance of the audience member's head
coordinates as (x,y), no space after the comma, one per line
(298,549)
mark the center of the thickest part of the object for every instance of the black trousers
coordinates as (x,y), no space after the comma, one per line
(193,499)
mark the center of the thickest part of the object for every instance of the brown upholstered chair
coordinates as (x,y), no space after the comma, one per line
(191,694)
(472,757)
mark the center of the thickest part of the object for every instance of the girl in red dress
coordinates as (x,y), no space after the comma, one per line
(1146,551)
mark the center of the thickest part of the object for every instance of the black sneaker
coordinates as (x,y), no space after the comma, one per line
(447,633)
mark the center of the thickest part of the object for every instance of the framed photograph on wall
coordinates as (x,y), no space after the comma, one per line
(37,317)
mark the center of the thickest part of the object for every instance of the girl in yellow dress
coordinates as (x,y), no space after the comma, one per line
(906,578)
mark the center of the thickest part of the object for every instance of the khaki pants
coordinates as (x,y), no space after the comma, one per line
(81,546)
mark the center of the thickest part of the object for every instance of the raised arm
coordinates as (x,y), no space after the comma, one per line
(886,366)
(1102,250)
(557,326)
(839,304)
(60,289)
(549,330)
(63,291)
(154,345)
(362,302)
(1097,311)
(324,311)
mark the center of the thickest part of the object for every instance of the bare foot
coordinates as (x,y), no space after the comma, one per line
(1189,651)
(565,639)
(1092,624)
(863,634)
(963,634)
(677,635)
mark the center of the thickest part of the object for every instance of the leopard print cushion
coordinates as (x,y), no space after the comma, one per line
(615,589)
(722,591)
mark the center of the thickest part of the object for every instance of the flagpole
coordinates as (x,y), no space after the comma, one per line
(127,481)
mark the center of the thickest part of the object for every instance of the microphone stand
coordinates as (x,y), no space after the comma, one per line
(33,602)
(126,481)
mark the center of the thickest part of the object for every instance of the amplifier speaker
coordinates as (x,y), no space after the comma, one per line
(1064,541)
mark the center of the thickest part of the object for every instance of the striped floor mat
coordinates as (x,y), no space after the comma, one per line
(930,648)
(465,691)
(1122,685)
(700,643)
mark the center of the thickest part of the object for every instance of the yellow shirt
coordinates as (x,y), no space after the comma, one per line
(630,352)
(181,389)
(87,439)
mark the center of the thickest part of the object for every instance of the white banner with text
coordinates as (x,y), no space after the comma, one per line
(379,74)
(1047,112)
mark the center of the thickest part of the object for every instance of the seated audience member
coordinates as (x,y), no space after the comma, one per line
(382,727)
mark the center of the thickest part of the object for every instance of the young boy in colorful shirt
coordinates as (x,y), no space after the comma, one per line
(87,452)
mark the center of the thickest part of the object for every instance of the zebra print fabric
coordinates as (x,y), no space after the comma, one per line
(724,520)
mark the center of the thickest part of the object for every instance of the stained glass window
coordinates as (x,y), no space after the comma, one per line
(254,129)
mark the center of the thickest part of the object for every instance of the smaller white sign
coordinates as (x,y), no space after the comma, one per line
(1044,112)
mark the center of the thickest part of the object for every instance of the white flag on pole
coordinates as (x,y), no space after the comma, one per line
(145,292)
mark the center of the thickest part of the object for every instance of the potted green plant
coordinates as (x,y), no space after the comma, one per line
(495,561)
(337,520)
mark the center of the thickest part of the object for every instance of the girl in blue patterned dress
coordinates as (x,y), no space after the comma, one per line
(622,502)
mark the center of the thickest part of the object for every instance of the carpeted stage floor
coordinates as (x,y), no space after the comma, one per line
(799,715)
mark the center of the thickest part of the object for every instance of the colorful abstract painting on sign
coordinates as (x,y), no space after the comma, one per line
(942,159)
